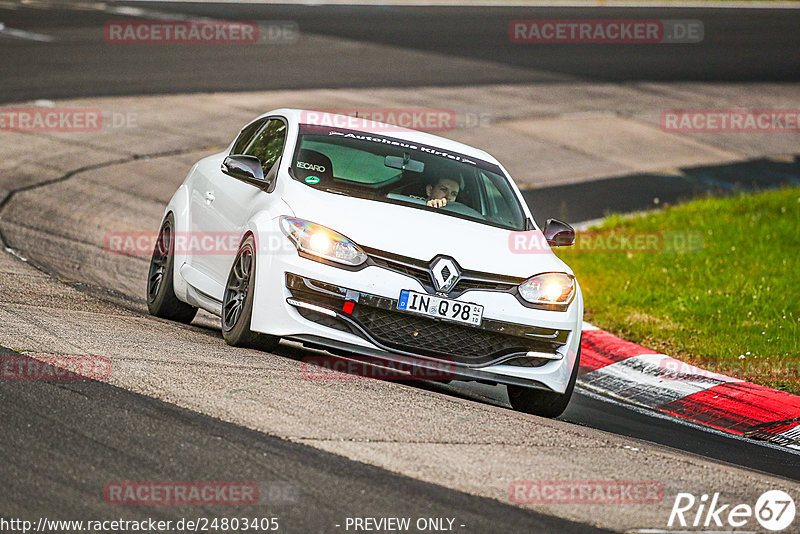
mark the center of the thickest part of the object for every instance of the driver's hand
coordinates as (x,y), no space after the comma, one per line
(437,202)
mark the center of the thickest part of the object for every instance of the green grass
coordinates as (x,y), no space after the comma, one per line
(729,302)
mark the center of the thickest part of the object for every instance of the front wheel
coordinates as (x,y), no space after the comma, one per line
(161,299)
(237,302)
(543,403)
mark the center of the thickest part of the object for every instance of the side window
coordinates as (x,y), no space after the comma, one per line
(267,146)
(246,136)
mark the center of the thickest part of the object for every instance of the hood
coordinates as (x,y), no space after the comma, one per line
(422,235)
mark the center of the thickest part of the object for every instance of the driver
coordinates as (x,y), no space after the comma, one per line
(440,192)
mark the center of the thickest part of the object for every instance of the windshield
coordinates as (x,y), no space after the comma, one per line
(390,170)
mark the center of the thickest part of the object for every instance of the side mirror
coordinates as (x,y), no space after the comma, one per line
(245,168)
(558,234)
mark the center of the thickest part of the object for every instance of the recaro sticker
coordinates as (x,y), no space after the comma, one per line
(310,166)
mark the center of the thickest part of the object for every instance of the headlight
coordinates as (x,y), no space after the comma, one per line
(317,240)
(549,290)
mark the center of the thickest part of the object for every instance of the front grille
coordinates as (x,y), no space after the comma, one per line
(419,270)
(525,361)
(401,264)
(490,285)
(463,344)
(324,320)
(377,318)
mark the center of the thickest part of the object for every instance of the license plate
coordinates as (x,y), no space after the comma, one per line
(441,308)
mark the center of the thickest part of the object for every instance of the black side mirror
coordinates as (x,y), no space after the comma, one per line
(245,168)
(558,234)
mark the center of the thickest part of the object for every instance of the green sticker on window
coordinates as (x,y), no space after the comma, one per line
(312,180)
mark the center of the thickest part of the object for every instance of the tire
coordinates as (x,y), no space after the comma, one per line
(543,403)
(237,302)
(161,299)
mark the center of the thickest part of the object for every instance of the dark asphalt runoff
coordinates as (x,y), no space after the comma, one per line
(738,45)
(63,442)
(592,411)
(637,192)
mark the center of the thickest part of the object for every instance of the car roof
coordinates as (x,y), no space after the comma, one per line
(321,118)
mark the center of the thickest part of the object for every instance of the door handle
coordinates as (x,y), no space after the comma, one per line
(209,197)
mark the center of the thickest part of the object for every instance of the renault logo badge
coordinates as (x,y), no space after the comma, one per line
(445,274)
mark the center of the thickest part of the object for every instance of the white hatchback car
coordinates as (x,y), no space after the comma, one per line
(377,242)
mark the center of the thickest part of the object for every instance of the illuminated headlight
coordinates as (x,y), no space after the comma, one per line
(317,240)
(549,290)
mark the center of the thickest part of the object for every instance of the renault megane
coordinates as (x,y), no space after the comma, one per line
(364,238)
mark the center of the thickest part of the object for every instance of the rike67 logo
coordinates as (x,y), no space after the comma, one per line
(774,510)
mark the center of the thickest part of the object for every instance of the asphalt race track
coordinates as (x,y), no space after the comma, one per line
(135,434)
(751,45)
(62,442)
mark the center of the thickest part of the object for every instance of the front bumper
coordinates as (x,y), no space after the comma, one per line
(377,320)
(303,300)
